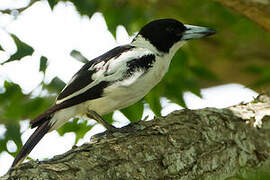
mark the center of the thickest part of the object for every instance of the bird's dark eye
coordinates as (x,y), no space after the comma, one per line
(170,29)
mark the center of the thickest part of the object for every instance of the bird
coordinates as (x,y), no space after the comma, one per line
(116,79)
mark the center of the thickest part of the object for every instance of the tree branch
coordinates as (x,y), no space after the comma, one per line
(187,144)
(19,10)
(257,11)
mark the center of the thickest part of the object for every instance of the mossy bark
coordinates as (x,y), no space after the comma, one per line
(187,144)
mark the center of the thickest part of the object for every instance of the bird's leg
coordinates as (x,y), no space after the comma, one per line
(111,129)
(94,115)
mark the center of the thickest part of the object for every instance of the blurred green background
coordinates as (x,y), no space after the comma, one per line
(239,53)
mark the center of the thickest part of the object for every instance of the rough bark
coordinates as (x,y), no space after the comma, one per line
(187,144)
(256,10)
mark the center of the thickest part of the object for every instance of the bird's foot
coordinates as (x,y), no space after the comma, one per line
(110,129)
(94,115)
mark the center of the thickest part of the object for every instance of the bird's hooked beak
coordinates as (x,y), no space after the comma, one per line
(196,32)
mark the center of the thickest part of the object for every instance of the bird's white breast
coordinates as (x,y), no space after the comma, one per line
(127,92)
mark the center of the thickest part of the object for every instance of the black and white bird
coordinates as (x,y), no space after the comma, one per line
(116,79)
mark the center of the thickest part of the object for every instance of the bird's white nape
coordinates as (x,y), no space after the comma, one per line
(140,41)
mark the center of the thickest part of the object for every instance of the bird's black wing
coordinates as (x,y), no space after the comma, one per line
(83,77)
(82,87)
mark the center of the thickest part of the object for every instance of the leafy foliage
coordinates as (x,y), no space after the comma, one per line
(22,50)
(12,133)
(52,3)
(153,100)
(134,112)
(78,56)
(55,86)
(263,72)
(15,106)
(43,64)
(115,12)
(79,127)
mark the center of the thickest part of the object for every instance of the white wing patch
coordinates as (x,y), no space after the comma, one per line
(97,66)
(110,71)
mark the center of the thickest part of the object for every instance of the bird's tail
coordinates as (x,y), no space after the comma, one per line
(31,142)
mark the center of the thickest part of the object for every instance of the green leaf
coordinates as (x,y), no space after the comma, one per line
(3,146)
(108,117)
(125,15)
(263,72)
(134,113)
(254,69)
(265,80)
(203,72)
(130,16)
(10,101)
(175,94)
(14,105)
(34,106)
(86,7)
(1,49)
(13,132)
(56,85)
(78,56)
(78,126)
(22,50)
(52,3)
(43,64)
(153,99)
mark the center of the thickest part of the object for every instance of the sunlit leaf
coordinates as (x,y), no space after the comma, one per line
(175,95)
(56,85)
(254,69)
(203,72)
(265,80)
(79,127)
(10,101)
(108,118)
(134,113)
(13,132)
(263,72)
(35,106)
(78,56)
(153,99)
(15,105)
(43,64)
(22,50)
(52,3)
(3,143)
(86,7)
(126,14)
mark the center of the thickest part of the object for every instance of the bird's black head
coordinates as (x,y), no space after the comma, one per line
(164,33)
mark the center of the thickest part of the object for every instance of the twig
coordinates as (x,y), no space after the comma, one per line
(19,10)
